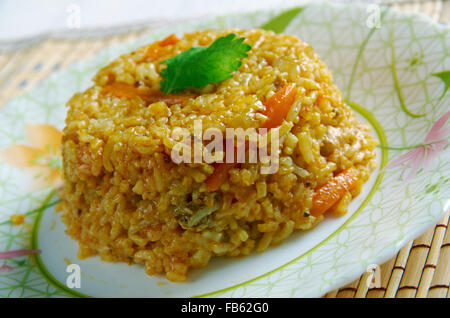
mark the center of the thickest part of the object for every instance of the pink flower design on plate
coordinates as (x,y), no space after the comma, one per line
(6,269)
(13,254)
(421,155)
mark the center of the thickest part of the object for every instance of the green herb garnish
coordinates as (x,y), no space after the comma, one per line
(200,66)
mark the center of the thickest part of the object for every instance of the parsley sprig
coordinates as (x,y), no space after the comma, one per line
(200,66)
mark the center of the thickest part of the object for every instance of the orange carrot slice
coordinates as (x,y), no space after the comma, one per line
(159,49)
(278,106)
(276,110)
(219,176)
(170,40)
(332,191)
(121,89)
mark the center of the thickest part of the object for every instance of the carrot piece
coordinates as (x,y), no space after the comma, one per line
(219,176)
(332,191)
(278,106)
(121,89)
(171,39)
(155,52)
(159,49)
(276,110)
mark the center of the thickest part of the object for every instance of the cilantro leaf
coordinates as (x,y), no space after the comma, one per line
(200,66)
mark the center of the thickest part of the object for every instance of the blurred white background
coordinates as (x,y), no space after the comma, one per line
(26,20)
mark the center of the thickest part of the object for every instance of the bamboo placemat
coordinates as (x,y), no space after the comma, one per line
(420,269)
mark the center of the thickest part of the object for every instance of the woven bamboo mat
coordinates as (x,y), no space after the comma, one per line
(420,269)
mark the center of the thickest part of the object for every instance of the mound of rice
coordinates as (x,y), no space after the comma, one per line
(126,200)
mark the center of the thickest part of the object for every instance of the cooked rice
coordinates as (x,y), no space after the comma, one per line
(125,200)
